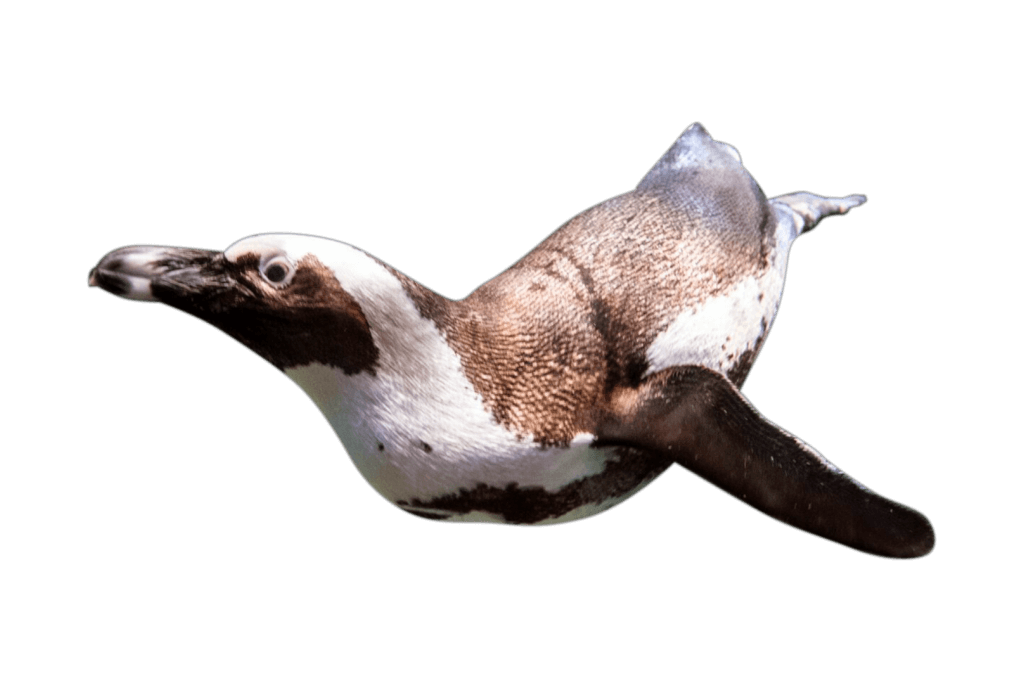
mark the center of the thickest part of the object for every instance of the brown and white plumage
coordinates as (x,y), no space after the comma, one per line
(564,384)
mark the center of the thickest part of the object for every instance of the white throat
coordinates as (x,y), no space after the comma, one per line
(416,428)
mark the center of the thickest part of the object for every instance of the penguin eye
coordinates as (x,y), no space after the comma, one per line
(277,271)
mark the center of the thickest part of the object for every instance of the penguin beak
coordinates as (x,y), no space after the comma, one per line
(142,272)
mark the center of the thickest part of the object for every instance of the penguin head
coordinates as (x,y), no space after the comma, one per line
(273,293)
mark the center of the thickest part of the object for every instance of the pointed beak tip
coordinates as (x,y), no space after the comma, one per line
(132,271)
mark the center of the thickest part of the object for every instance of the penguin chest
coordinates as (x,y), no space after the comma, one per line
(435,451)
(724,332)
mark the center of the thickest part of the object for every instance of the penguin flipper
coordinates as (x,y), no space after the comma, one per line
(810,209)
(700,419)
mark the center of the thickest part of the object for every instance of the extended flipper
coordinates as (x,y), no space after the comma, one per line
(701,420)
(809,209)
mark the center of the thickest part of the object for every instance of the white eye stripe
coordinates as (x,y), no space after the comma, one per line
(278,271)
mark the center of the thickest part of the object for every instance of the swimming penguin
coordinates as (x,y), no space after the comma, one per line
(565,384)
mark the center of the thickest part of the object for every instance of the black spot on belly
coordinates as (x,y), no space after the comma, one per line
(426,447)
(533,504)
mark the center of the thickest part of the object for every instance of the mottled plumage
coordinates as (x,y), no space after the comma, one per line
(563,385)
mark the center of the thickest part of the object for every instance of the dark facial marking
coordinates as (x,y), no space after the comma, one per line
(311,320)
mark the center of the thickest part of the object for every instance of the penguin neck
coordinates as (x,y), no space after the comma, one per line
(416,372)
(402,315)
(417,407)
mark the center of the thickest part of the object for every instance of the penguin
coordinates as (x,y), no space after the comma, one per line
(561,387)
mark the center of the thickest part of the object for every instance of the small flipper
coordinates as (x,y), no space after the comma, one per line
(809,209)
(701,420)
